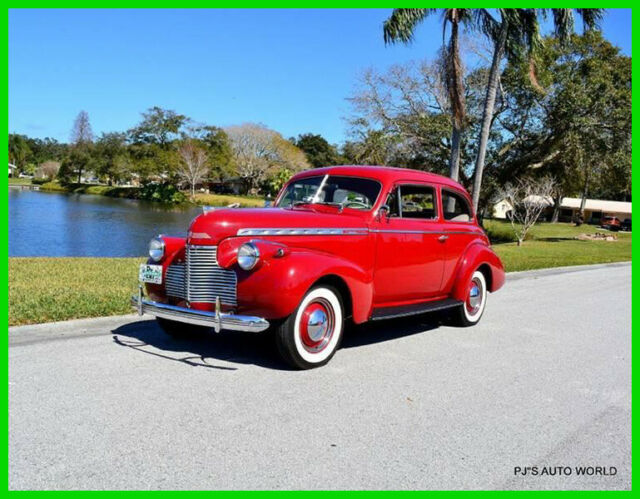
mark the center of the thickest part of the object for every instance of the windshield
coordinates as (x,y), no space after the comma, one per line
(344,192)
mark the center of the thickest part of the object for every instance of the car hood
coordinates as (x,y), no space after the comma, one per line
(212,227)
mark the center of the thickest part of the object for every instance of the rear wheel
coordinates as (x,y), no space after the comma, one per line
(310,336)
(475,301)
(180,329)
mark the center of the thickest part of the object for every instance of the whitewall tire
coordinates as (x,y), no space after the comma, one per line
(311,335)
(475,301)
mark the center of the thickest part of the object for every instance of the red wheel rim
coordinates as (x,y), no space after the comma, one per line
(474,296)
(316,325)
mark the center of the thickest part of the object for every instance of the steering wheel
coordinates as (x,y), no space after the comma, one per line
(355,204)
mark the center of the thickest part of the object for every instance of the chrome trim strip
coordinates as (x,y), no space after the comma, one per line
(216,320)
(400,231)
(285,231)
(302,231)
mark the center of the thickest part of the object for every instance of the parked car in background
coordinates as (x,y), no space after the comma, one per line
(610,223)
(626,225)
(341,243)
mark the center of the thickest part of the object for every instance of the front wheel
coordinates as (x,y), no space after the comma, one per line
(310,336)
(470,312)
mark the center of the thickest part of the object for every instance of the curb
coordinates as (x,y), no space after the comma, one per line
(35,333)
(96,326)
(524,274)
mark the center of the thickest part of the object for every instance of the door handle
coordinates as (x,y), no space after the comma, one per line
(443,238)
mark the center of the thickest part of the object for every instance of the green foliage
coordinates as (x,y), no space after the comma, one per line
(216,143)
(576,125)
(19,151)
(78,161)
(318,151)
(276,180)
(158,126)
(162,192)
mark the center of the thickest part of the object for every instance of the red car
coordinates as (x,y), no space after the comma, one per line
(611,223)
(344,242)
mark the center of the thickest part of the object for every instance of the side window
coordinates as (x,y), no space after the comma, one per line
(418,201)
(455,207)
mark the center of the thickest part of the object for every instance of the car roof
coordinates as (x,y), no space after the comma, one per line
(385,174)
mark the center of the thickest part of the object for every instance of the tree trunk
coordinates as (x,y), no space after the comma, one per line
(557,201)
(454,160)
(80,175)
(487,113)
(585,190)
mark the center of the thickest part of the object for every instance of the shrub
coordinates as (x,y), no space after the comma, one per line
(163,193)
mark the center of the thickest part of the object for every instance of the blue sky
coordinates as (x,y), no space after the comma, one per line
(288,69)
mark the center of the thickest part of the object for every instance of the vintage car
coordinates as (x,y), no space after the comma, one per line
(340,243)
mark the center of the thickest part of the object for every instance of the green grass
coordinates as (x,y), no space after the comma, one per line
(554,245)
(57,289)
(225,199)
(19,181)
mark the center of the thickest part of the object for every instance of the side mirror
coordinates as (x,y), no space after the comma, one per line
(383,211)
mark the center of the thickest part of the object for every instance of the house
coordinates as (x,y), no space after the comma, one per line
(594,209)
(12,170)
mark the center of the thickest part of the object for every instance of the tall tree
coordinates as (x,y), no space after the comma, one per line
(158,126)
(259,151)
(193,168)
(111,158)
(515,33)
(81,133)
(81,140)
(401,26)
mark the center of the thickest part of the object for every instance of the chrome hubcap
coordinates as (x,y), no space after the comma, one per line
(474,299)
(317,324)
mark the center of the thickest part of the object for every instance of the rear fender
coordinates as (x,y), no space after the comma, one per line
(476,256)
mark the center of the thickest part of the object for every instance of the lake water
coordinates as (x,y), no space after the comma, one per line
(54,224)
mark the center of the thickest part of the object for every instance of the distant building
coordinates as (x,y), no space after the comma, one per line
(12,170)
(594,209)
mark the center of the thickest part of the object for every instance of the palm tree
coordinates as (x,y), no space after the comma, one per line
(516,33)
(400,27)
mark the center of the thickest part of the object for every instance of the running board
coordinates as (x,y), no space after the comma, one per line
(418,308)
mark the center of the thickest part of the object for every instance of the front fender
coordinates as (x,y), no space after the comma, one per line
(474,257)
(274,290)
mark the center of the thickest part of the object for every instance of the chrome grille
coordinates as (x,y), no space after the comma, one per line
(201,279)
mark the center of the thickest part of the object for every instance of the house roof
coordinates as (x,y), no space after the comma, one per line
(598,205)
(591,204)
(12,165)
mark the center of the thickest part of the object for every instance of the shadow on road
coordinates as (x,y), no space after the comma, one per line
(210,349)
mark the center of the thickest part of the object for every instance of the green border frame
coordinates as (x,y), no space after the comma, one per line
(306,5)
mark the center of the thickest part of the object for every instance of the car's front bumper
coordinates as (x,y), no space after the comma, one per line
(217,320)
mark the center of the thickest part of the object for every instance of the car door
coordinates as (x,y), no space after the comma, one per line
(460,230)
(409,255)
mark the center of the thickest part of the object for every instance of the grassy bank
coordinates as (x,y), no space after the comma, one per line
(54,289)
(227,199)
(134,193)
(19,181)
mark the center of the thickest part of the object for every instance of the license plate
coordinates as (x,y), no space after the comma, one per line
(151,273)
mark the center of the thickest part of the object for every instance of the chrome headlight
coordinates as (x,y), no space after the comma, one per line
(156,249)
(248,256)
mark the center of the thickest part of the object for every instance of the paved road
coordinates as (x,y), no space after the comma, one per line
(544,380)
